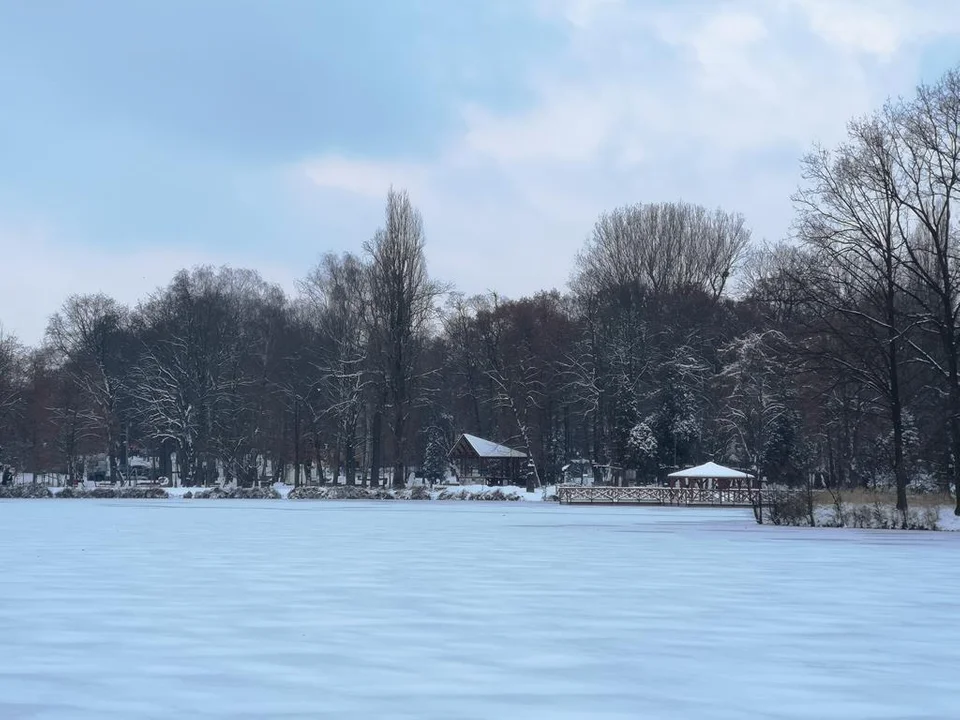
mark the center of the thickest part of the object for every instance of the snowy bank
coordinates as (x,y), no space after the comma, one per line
(861,510)
(419,492)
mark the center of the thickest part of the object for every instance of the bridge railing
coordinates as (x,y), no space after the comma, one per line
(659,495)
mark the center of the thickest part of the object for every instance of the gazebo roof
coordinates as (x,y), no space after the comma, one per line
(489,449)
(712,471)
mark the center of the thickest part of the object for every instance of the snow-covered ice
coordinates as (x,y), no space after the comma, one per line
(249,609)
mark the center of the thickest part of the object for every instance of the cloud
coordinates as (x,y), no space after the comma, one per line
(591,104)
(581,13)
(362,177)
(879,27)
(706,101)
(51,267)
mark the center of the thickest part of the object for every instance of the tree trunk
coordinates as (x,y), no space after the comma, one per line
(949,338)
(337,461)
(896,405)
(954,426)
(296,444)
(376,430)
(349,459)
(111,455)
(531,480)
(399,435)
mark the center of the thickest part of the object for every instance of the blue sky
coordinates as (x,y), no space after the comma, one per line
(137,138)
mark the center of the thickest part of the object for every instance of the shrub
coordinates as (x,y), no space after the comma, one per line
(70,492)
(420,493)
(927,518)
(143,493)
(925,484)
(308,493)
(254,493)
(785,508)
(27,491)
(347,492)
(492,495)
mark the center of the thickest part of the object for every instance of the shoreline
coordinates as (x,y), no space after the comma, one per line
(926,513)
(38,491)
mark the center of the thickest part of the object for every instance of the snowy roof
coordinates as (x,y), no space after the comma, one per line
(710,470)
(489,449)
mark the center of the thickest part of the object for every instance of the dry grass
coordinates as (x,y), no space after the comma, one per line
(861,496)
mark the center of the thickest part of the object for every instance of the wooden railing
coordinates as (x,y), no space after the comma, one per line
(656,495)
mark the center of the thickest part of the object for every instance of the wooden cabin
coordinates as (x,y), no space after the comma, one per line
(485,462)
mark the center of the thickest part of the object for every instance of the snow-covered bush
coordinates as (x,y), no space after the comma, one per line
(143,493)
(253,493)
(27,491)
(491,495)
(881,516)
(419,493)
(350,492)
(876,515)
(924,484)
(70,492)
(308,493)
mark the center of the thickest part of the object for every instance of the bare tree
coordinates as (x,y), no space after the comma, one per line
(12,370)
(848,215)
(337,292)
(514,372)
(89,333)
(758,413)
(666,247)
(927,174)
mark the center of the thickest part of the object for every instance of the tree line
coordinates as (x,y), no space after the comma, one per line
(832,357)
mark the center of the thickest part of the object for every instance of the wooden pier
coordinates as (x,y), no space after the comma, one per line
(657,495)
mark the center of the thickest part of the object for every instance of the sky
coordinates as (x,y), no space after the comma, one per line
(140,138)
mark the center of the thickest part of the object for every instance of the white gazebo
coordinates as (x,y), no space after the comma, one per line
(709,476)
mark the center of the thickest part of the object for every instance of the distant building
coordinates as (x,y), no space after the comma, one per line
(484,461)
(578,471)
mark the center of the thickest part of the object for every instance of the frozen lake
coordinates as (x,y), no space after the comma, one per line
(244,609)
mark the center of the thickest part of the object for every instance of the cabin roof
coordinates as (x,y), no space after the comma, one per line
(488,448)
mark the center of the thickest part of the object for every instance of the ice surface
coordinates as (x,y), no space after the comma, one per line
(248,609)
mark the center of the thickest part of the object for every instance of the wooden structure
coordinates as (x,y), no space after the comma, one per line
(483,461)
(711,476)
(578,471)
(659,495)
